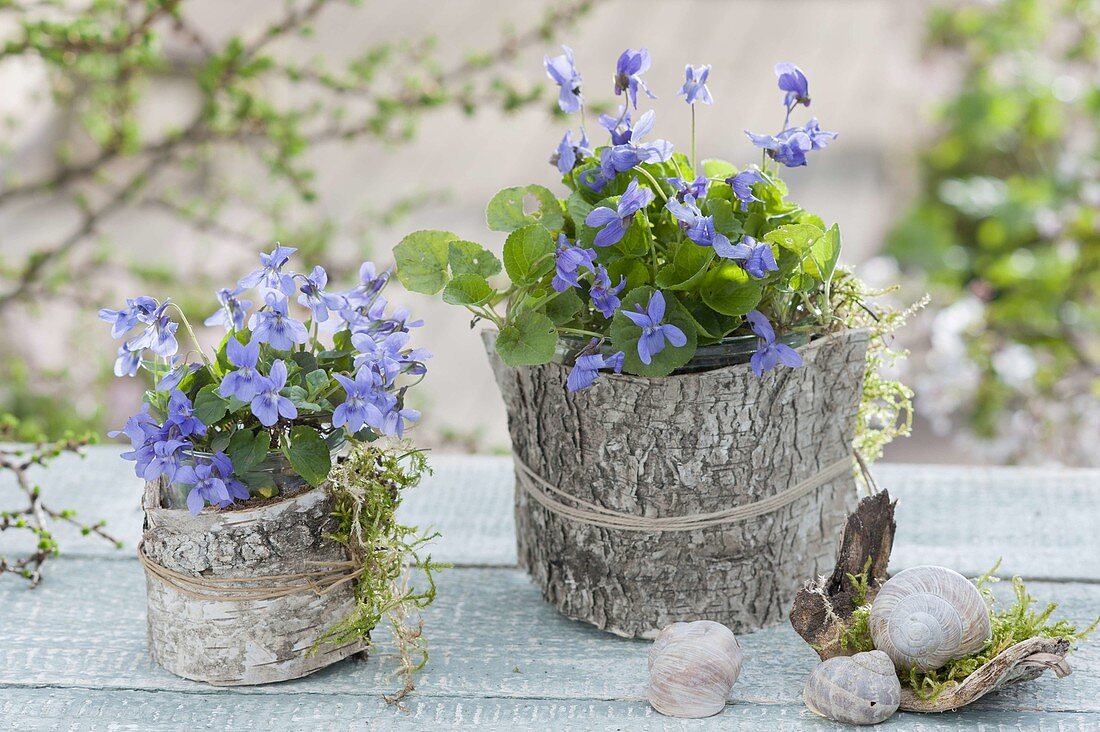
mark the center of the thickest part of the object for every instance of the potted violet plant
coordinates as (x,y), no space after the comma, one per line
(273,468)
(686,369)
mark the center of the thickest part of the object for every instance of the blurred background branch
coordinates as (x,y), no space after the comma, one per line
(1006,230)
(224,154)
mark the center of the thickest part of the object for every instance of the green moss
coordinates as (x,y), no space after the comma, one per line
(367,487)
(886,407)
(1018,622)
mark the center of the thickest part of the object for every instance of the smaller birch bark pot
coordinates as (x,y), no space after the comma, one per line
(240,597)
(664,465)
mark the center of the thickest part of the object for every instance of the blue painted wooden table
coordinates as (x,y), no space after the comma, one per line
(73,652)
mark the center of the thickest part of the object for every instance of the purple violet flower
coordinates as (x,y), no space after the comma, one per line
(128,362)
(586,368)
(568,263)
(370,284)
(699,228)
(633,151)
(793,81)
(178,369)
(165,459)
(181,413)
(271,276)
(206,486)
(760,259)
(789,147)
(605,298)
(159,335)
(568,154)
(223,468)
(245,382)
(564,73)
(695,85)
(275,327)
(360,406)
(268,405)
(769,353)
(233,311)
(742,186)
(396,419)
(819,138)
(315,298)
(697,188)
(613,224)
(631,65)
(382,352)
(654,332)
(137,310)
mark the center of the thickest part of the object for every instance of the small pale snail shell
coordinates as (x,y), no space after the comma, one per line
(692,667)
(924,617)
(859,689)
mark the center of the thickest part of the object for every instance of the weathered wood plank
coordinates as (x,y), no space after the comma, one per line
(78,710)
(490,633)
(960,517)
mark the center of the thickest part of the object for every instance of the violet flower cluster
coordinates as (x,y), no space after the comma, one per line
(277,380)
(654,252)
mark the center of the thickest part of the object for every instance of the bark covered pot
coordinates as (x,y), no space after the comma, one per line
(242,596)
(645,501)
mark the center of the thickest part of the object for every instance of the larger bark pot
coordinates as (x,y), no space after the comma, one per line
(683,446)
(245,636)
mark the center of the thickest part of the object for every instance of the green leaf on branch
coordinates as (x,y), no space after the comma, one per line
(529,340)
(529,254)
(725,220)
(506,210)
(248,449)
(467,289)
(687,269)
(317,381)
(209,405)
(578,210)
(564,307)
(799,238)
(731,290)
(716,168)
(422,260)
(824,254)
(625,335)
(308,454)
(467,257)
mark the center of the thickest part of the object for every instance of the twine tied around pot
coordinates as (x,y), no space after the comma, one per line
(558,501)
(327,577)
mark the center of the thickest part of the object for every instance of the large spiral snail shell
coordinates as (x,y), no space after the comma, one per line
(924,617)
(692,667)
(859,689)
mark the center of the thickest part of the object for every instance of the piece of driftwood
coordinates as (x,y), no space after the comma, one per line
(250,641)
(1025,661)
(823,608)
(682,446)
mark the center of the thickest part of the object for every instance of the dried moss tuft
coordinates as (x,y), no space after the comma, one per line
(367,487)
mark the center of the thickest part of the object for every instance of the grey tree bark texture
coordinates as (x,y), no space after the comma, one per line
(685,445)
(255,641)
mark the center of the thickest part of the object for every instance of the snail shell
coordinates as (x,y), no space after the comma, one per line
(692,667)
(859,689)
(924,617)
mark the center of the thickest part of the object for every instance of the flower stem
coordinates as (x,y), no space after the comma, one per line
(194,338)
(694,160)
(578,331)
(651,179)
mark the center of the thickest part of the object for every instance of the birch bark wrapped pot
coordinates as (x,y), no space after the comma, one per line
(645,501)
(241,596)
